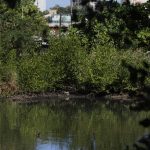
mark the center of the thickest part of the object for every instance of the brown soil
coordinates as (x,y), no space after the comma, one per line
(67,96)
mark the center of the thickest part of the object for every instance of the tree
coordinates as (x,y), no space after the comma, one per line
(19,26)
(12,3)
(127,25)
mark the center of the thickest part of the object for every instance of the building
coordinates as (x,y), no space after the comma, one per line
(60,20)
(92,4)
(51,13)
(59,23)
(138,1)
(41,4)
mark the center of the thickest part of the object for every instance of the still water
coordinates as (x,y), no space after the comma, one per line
(71,125)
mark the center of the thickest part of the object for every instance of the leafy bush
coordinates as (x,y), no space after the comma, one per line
(31,74)
(8,76)
(102,67)
(68,63)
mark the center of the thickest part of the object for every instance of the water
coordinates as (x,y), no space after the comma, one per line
(72,125)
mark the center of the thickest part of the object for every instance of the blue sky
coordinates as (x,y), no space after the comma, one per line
(52,3)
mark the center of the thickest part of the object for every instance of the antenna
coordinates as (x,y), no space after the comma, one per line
(37,3)
(71,7)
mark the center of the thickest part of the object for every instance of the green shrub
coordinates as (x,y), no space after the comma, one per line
(68,62)
(102,66)
(31,74)
(66,55)
(53,69)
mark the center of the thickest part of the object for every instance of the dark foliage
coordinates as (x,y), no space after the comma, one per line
(131,21)
(12,3)
(137,75)
(145,122)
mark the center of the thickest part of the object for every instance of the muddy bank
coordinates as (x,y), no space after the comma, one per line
(136,103)
(67,96)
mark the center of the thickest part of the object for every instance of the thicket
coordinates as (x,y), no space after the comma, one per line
(127,25)
(85,59)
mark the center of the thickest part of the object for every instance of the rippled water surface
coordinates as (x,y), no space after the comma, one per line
(71,125)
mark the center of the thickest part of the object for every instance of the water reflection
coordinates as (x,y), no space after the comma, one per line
(68,126)
(52,144)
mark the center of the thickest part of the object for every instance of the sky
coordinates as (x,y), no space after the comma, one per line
(51,3)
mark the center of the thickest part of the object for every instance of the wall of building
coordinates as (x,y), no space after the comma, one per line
(138,1)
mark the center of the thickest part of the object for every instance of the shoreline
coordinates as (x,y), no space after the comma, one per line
(135,102)
(30,97)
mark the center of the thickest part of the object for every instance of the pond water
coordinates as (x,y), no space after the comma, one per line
(68,125)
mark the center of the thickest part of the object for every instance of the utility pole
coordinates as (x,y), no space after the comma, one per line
(38,5)
(71,8)
(60,25)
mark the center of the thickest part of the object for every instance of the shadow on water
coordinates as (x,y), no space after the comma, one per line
(138,79)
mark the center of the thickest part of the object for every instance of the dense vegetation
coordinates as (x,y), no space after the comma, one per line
(106,52)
